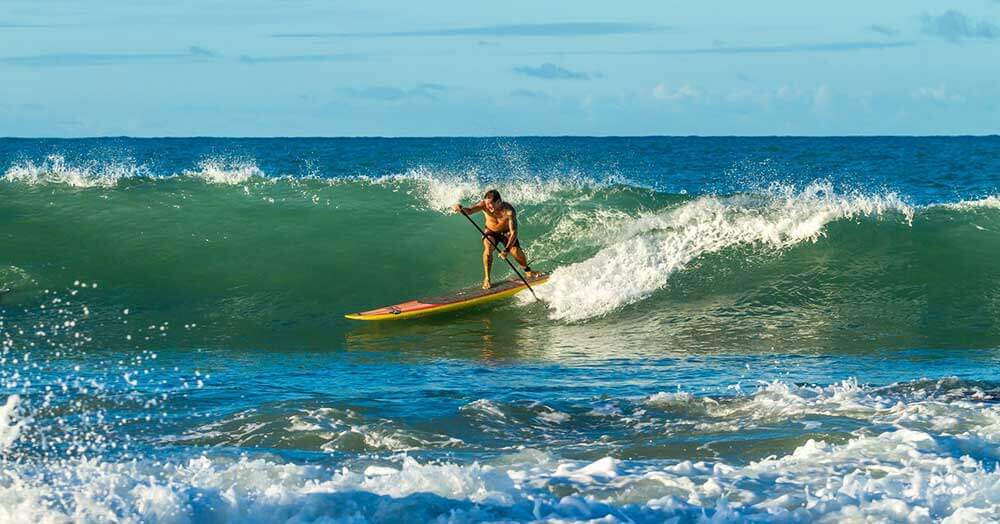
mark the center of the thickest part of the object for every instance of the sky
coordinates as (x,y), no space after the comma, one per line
(395,68)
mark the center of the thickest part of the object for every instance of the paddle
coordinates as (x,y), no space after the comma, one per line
(495,246)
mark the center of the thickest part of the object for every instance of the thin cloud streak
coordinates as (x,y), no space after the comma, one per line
(102,59)
(798,48)
(883,30)
(550,71)
(336,57)
(197,50)
(827,47)
(19,25)
(506,30)
(527,93)
(392,94)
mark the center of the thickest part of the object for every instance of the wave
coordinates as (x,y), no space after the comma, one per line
(660,244)
(948,405)
(923,457)
(71,450)
(609,243)
(435,189)
(320,428)
(54,170)
(438,190)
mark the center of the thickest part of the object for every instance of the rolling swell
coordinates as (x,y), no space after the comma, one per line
(260,256)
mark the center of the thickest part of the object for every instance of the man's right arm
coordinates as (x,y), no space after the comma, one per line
(468,210)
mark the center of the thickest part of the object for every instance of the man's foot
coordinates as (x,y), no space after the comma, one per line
(487,284)
(531,274)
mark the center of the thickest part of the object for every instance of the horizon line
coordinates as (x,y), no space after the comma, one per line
(430,137)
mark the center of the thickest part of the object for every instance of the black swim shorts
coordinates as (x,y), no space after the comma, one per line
(501,237)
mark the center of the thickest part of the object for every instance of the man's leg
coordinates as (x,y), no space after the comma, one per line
(487,262)
(522,259)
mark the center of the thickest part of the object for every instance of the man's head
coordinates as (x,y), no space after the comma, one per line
(491,200)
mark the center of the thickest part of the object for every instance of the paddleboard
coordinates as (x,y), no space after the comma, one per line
(461,299)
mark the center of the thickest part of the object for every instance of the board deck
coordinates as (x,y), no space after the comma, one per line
(461,299)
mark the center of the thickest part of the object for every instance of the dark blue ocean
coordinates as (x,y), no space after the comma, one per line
(764,329)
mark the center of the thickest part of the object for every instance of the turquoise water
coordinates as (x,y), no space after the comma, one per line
(768,328)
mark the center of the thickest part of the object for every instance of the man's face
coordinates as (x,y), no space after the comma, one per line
(491,205)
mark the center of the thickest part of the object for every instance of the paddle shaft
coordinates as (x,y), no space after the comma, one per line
(495,246)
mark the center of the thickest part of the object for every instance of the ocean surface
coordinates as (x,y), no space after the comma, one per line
(765,329)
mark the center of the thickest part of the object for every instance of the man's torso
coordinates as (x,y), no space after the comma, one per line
(500,219)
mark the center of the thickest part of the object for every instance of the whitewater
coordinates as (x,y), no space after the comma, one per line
(768,329)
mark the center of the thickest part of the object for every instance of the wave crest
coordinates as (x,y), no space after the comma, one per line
(439,190)
(230,172)
(55,170)
(630,270)
(990,202)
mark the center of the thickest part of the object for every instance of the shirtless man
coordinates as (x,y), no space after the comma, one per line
(501,228)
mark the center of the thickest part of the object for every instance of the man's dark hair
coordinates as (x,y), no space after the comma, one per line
(492,195)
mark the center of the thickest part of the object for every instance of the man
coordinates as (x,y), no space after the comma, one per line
(501,228)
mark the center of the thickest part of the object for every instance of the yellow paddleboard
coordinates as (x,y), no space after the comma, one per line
(461,299)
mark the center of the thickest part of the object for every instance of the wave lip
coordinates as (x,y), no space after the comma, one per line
(230,172)
(439,190)
(326,429)
(630,270)
(990,202)
(55,170)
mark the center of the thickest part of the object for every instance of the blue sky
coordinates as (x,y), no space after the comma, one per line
(328,68)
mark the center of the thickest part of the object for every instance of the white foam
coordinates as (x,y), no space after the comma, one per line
(485,409)
(579,227)
(55,170)
(554,417)
(930,465)
(780,401)
(898,475)
(226,171)
(10,422)
(601,469)
(990,202)
(631,269)
(334,429)
(963,412)
(666,400)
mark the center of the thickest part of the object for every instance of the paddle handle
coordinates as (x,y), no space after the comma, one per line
(495,246)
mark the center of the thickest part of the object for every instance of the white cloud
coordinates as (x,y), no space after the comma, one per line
(821,98)
(749,96)
(680,94)
(788,93)
(742,95)
(937,94)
